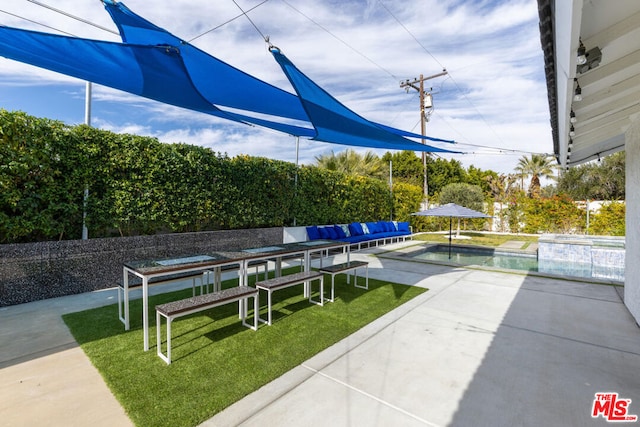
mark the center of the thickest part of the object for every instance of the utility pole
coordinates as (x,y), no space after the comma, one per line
(426,107)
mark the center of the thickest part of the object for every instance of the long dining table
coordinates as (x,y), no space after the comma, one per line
(147,270)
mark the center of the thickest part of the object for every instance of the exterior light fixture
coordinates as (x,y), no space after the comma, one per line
(593,59)
(582,54)
(572,117)
(572,131)
(577,95)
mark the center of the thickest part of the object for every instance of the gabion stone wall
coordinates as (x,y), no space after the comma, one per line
(36,271)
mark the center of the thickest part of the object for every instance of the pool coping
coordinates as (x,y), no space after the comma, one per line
(405,252)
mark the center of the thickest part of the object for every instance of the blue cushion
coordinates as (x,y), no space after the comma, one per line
(324,233)
(345,229)
(333,235)
(356,229)
(340,232)
(392,226)
(373,227)
(365,229)
(312,232)
(382,227)
(403,226)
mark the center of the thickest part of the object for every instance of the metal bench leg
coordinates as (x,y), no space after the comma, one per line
(256,311)
(125,294)
(159,343)
(120,309)
(268,321)
(166,358)
(321,301)
(355,280)
(169,319)
(333,276)
(245,304)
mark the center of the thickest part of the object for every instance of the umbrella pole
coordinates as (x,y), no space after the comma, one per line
(449,237)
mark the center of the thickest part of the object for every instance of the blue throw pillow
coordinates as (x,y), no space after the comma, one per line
(391,226)
(324,233)
(382,226)
(403,226)
(356,229)
(371,226)
(365,229)
(345,229)
(340,232)
(312,232)
(333,235)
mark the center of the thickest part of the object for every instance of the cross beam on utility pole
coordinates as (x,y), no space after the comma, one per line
(426,106)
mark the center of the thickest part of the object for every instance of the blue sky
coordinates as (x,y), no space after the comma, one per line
(359,51)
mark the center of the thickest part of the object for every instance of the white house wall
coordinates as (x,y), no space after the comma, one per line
(632,270)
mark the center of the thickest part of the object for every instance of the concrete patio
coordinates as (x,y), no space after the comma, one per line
(481,348)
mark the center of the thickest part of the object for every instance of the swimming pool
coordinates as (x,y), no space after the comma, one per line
(515,261)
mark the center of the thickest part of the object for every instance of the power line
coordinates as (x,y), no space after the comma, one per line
(410,33)
(340,40)
(439,63)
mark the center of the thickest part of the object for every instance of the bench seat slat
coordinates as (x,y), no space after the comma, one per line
(287,280)
(337,268)
(176,307)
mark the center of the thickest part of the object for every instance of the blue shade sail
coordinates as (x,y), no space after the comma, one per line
(155,64)
(336,123)
(154,71)
(217,81)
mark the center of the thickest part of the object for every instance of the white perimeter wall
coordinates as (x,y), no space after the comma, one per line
(632,269)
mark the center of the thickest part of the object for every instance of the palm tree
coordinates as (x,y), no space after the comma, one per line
(501,187)
(537,166)
(352,163)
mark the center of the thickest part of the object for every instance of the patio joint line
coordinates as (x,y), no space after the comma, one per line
(371,396)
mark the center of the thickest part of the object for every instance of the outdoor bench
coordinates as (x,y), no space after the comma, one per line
(175,309)
(178,277)
(289,280)
(357,233)
(345,267)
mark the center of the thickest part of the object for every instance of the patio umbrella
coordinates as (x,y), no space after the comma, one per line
(452,210)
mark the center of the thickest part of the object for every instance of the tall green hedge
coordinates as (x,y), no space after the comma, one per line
(138,185)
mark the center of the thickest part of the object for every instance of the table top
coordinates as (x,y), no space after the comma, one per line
(168,265)
(204,261)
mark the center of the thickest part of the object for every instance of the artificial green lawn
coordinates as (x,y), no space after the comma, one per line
(215,360)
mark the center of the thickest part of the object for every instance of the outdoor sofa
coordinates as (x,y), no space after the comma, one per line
(358,233)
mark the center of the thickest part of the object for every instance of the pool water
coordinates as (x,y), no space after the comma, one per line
(521,262)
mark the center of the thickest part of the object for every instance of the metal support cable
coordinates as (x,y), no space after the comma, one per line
(77,18)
